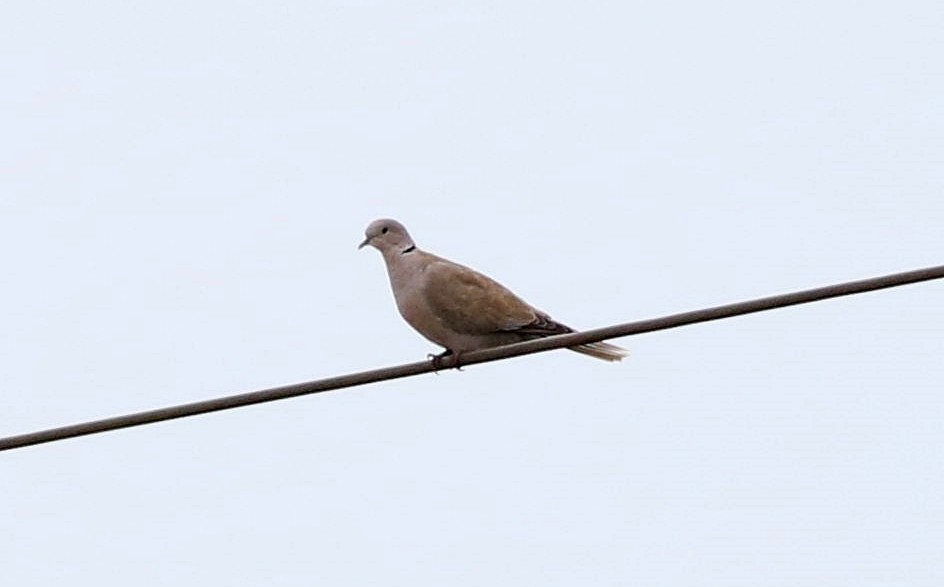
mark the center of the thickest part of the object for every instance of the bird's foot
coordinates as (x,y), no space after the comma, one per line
(438,360)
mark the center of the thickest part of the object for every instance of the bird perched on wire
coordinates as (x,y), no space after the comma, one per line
(458,308)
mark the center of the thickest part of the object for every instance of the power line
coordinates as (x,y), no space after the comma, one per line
(472,357)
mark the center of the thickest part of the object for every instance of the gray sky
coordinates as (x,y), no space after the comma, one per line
(183,186)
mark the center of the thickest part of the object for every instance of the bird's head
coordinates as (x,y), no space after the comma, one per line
(388,236)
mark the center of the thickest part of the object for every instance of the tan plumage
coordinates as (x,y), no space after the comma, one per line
(457,307)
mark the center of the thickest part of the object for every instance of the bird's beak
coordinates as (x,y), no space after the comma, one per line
(363,244)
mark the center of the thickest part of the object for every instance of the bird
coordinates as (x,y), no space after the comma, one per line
(459,308)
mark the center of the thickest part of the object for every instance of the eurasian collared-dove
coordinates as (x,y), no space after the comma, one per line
(459,308)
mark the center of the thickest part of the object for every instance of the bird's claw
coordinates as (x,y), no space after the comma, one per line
(437,360)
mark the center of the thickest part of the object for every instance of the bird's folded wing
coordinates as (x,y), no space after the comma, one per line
(468,302)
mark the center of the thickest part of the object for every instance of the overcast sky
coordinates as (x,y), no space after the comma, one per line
(182,188)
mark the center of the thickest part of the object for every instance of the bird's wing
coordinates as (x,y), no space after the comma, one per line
(467,302)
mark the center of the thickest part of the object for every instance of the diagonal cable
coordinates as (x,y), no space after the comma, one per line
(472,357)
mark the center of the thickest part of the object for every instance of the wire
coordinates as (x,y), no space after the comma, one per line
(471,358)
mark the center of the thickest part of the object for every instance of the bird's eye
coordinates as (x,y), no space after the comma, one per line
(384,230)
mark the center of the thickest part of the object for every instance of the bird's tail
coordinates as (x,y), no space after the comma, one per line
(602,350)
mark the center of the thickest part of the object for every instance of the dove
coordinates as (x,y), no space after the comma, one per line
(459,308)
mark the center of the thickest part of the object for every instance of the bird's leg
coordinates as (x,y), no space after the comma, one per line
(438,359)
